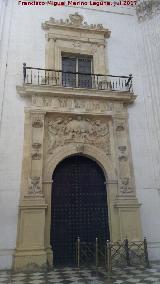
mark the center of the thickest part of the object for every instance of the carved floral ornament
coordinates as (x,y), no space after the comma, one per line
(37,121)
(79,131)
(36,145)
(34,185)
(36,155)
(122,154)
(125,185)
(75,21)
(120,127)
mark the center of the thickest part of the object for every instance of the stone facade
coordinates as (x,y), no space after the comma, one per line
(133,47)
(64,121)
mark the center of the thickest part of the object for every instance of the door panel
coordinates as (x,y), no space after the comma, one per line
(79,207)
(69,66)
(84,68)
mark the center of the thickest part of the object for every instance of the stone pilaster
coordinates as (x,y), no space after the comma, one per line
(126,201)
(30,238)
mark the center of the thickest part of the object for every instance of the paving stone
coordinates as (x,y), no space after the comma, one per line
(127,275)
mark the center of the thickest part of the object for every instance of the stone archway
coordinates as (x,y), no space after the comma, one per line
(79,207)
(33,239)
(106,166)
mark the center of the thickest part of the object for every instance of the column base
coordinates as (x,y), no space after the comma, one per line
(30,260)
(49,257)
(129,218)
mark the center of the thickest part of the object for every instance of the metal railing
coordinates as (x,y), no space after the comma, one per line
(111,254)
(41,76)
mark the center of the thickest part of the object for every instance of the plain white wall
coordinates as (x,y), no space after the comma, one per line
(145,128)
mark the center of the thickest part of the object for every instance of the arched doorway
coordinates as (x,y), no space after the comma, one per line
(79,206)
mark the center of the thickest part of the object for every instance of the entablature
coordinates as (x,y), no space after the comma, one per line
(77,101)
(44,91)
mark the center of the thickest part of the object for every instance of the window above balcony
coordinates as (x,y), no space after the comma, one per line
(76,71)
(74,46)
(76,64)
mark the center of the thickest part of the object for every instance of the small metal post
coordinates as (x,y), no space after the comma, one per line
(109,260)
(24,72)
(78,252)
(146,259)
(127,251)
(105,256)
(129,82)
(129,79)
(96,252)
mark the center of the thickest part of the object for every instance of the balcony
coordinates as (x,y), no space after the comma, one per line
(49,77)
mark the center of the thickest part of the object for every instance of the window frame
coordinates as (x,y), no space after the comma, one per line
(77,56)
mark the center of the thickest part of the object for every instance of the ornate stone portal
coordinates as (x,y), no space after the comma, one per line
(65,121)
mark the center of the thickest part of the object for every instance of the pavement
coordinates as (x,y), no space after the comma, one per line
(127,275)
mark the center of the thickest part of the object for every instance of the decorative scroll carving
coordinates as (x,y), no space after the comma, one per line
(37,121)
(36,156)
(122,149)
(73,103)
(78,130)
(75,21)
(125,187)
(147,9)
(34,185)
(80,148)
(123,158)
(36,146)
(120,127)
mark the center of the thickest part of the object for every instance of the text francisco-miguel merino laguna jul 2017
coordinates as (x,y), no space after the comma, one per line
(77,3)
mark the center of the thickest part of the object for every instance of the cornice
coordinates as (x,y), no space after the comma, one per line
(121,96)
(76,22)
(147,9)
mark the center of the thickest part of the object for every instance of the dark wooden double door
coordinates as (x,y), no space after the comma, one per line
(79,207)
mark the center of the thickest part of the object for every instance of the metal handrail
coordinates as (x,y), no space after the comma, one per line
(44,76)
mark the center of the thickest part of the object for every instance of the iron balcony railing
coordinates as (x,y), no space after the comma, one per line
(41,76)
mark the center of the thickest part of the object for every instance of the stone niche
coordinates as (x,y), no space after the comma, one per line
(65,121)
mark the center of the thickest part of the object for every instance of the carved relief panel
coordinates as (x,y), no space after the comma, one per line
(77,129)
(36,152)
(61,103)
(124,169)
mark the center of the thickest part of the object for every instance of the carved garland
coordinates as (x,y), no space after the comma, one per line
(77,130)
